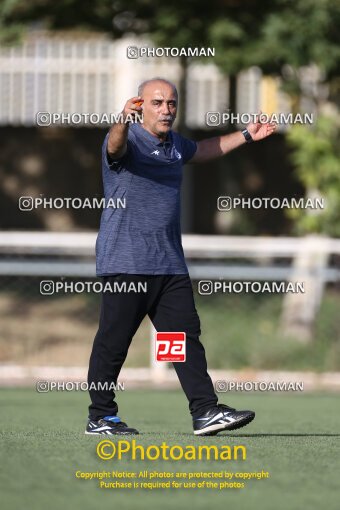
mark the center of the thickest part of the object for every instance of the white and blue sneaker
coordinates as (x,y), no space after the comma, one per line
(109,426)
(221,417)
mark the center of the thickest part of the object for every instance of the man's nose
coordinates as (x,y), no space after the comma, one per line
(165,108)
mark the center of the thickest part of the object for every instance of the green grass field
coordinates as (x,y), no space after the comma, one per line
(294,437)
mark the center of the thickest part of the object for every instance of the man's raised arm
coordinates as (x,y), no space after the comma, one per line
(211,148)
(118,135)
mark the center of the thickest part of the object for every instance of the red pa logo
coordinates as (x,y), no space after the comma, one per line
(170,346)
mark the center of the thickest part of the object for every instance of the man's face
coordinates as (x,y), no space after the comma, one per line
(159,108)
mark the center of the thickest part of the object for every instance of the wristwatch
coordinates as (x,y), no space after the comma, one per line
(247,136)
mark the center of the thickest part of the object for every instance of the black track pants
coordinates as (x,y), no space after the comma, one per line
(169,302)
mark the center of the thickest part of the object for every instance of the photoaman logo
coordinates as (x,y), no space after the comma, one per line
(131,450)
(170,346)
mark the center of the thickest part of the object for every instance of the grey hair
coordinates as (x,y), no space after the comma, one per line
(144,83)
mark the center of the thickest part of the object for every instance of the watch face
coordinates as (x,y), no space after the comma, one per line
(247,135)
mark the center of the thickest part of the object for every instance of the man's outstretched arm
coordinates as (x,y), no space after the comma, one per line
(117,141)
(211,148)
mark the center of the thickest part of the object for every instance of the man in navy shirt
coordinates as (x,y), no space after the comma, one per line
(141,243)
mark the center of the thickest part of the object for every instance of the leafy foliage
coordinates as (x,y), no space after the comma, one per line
(316,154)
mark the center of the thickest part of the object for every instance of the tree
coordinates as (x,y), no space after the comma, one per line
(316,155)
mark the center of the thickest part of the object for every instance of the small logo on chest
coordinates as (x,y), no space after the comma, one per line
(155,152)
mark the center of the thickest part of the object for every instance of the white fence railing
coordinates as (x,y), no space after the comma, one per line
(51,254)
(198,246)
(91,74)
